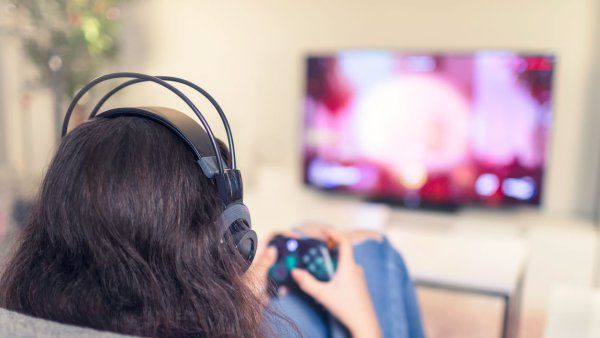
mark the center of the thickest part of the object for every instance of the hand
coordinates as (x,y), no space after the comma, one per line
(346,295)
(258,272)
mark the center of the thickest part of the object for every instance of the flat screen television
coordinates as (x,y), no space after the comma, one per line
(428,129)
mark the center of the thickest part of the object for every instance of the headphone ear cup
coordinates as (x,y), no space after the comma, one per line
(236,219)
(245,240)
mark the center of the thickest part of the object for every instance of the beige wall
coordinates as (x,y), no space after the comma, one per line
(589,182)
(249,55)
(28,132)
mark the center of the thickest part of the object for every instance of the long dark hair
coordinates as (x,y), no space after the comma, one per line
(123,238)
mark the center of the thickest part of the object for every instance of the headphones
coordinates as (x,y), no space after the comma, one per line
(200,139)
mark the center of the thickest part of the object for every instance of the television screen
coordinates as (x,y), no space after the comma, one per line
(435,129)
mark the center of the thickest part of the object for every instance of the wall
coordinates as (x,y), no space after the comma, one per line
(28,134)
(591,138)
(249,55)
(3,139)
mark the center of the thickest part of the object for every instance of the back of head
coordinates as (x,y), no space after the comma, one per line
(123,237)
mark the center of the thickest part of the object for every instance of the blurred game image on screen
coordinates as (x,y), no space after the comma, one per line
(443,129)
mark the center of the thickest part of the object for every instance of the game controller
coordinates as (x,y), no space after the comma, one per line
(310,254)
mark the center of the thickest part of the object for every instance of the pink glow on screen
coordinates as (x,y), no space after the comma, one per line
(458,128)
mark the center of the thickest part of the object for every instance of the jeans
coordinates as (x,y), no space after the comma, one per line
(391,290)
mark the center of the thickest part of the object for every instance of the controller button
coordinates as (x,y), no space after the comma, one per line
(292,245)
(290,262)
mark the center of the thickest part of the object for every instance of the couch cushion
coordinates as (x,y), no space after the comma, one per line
(16,325)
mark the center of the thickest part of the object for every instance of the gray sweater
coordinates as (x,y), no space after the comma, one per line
(16,325)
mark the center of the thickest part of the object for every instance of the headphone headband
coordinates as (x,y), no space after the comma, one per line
(86,88)
(199,89)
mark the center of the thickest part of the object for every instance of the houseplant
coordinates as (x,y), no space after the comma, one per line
(67,41)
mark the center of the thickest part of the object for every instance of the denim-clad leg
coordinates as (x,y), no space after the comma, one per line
(310,319)
(390,288)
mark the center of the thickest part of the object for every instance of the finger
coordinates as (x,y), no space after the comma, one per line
(343,243)
(311,230)
(308,283)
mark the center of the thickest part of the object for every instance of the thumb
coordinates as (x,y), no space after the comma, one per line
(307,283)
